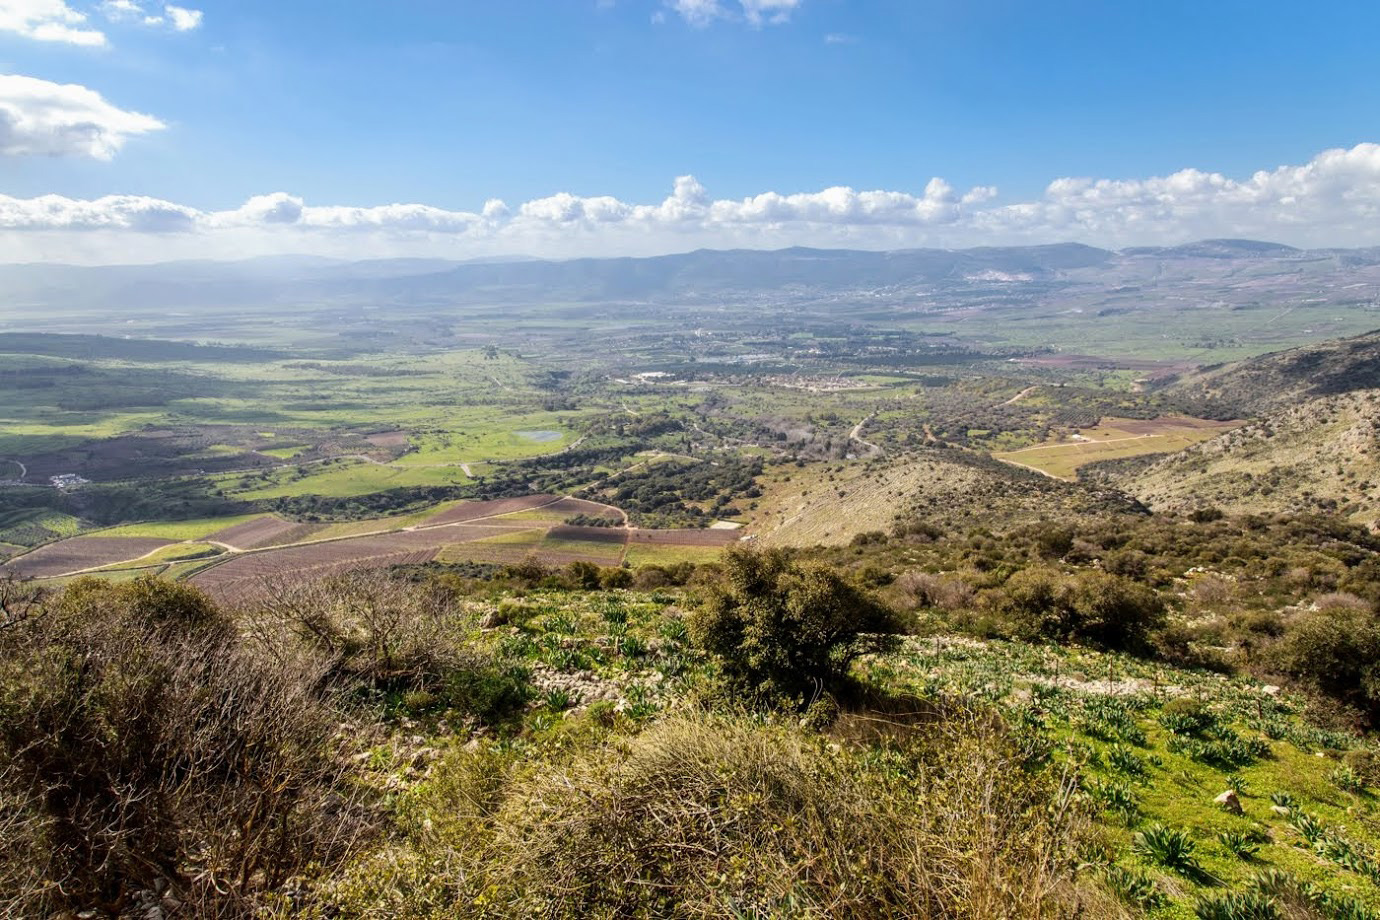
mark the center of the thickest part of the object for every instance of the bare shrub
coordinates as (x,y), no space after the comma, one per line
(1342,601)
(943,592)
(143,748)
(390,636)
(1213,593)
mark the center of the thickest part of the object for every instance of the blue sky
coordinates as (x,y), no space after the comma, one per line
(450,104)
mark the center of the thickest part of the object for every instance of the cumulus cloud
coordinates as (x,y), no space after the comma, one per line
(183,20)
(47,21)
(1333,200)
(179,19)
(39,118)
(755,12)
(1334,196)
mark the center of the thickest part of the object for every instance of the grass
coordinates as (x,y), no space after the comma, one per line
(181,531)
(30,528)
(340,479)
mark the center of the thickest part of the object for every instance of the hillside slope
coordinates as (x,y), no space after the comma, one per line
(947,488)
(1286,378)
(1320,455)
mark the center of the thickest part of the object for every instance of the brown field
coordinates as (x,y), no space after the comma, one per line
(79,554)
(473,511)
(230,579)
(298,533)
(683,537)
(240,585)
(388,439)
(253,533)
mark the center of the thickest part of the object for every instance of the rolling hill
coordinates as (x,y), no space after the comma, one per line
(1319,455)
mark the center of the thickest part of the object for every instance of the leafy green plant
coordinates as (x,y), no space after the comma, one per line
(1168,847)
(1135,886)
(1187,716)
(1111,719)
(558,700)
(1124,760)
(1242,844)
(1117,797)
(1242,905)
(1347,779)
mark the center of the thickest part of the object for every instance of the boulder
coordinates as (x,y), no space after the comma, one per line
(1230,801)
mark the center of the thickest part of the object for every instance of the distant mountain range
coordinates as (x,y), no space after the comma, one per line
(699,275)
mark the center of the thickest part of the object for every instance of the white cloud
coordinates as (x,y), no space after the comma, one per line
(183,20)
(756,12)
(39,118)
(47,21)
(180,19)
(773,11)
(1334,197)
(698,12)
(121,9)
(1333,200)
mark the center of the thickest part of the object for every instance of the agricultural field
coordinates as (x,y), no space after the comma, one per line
(233,558)
(81,554)
(1115,439)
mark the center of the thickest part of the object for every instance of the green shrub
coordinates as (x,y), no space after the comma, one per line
(1187,716)
(1337,651)
(614,577)
(1242,844)
(1108,611)
(148,599)
(781,630)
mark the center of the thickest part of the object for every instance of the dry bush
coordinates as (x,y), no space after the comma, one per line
(1342,601)
(142,744)
(1213,593)
(390,636)
(949,593)
(361,622)
(723,817)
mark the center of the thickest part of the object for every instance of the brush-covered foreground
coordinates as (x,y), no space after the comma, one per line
(1041,723)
